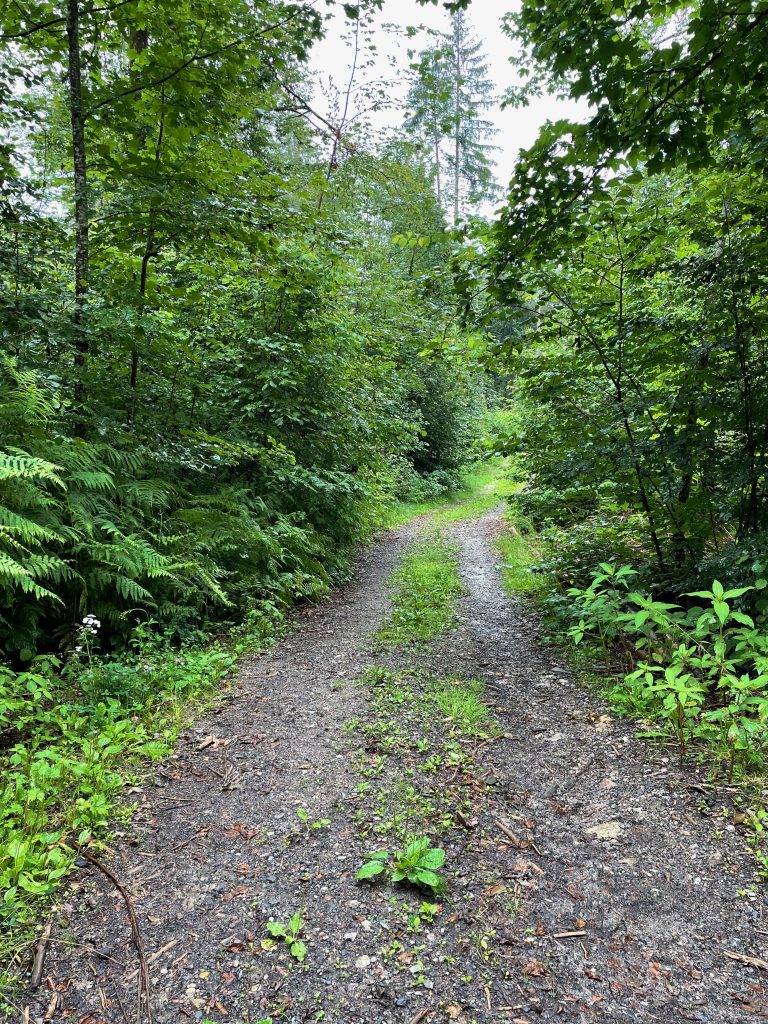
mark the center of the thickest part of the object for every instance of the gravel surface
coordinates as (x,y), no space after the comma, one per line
(587,880)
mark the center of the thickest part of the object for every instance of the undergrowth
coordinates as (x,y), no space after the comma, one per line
(73,736)
(694,671)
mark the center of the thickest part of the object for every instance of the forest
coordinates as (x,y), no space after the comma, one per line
(254,318)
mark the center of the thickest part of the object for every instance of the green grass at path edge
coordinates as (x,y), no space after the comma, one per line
(521,550)
(483,487)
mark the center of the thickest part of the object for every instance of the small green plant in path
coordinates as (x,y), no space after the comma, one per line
(461,704)
(427,587)
(303,815)
(289,933)
(417,862)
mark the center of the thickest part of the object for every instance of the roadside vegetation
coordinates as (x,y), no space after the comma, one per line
(693,673)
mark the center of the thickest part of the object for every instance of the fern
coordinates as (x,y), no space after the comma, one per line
(13,574)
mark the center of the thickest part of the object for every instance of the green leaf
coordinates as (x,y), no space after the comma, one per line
(430,879)
(433,859)
(416,848)
(744,619)
(370,869)
(277,929)
(722,610)
(298,950)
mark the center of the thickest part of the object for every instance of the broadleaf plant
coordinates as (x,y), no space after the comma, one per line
(417,862)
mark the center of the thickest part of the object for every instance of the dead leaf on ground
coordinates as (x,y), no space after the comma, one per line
(524,866)
(534,969)
(214,742)
(494,890)
(239,890)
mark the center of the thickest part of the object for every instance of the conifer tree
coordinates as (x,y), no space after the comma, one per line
(450,91)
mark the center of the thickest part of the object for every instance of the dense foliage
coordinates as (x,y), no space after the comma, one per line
(210,330)
(631,309)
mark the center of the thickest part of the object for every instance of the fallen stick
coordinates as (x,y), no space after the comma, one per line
(39,961)
(560,788)
(154,956)
(507,832)
(568,935)
(421,1015)
(135,932)
(753,961)
(200,832)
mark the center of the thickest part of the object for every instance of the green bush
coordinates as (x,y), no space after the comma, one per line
(703,668)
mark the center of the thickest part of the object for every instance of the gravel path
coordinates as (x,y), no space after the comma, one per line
(586,882)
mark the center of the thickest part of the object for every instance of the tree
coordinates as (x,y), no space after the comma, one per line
(444,106)
(670,84)
(243,388)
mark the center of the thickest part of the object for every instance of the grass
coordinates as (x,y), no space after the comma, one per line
(521,550)
(427,587)
(479,483)
(417,737)
(493,493)
(460,701)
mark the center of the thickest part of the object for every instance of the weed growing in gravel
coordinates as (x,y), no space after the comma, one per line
(303,815)
(461,704)
(289,933)
(426,589)
(426,913)
(416,863)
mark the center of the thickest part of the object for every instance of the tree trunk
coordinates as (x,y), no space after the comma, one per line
(82,213)
(139,43)
(457,114)
(437,168)
(80,168)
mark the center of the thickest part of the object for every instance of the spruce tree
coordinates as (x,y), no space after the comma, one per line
(444,107)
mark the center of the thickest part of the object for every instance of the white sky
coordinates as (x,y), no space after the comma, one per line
(517,126)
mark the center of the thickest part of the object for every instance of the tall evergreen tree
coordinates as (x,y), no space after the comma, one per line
(450,91)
